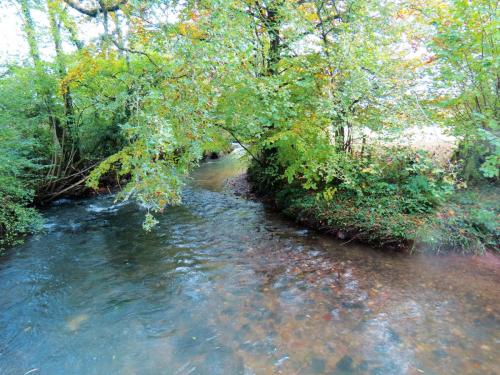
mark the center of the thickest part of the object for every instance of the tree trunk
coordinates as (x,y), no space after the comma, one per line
(65,134)
(273,23)
(29,29)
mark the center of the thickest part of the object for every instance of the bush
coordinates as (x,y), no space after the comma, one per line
(410,178)
(17,179)
(398,198)
(16,220)
(468,223)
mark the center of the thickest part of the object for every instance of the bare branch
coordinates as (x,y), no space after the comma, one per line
(95,11)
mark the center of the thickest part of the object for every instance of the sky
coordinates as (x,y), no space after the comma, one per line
(13,45)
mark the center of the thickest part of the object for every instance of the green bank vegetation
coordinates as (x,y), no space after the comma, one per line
(317,91)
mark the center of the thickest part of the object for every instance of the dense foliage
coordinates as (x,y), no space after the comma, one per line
(316,91)
(468,82)
(16,183)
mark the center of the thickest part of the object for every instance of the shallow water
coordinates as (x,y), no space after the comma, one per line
(223,286)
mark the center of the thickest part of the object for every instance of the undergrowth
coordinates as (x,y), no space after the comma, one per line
(401,201)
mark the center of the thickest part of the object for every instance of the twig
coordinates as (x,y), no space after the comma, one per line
(56,194)
(122,48)
(241,144)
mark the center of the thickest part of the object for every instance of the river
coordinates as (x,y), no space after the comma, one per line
(224,286)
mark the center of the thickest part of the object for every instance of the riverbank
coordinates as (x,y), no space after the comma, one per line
(466,224)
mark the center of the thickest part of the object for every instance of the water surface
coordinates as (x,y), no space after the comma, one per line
(223,286)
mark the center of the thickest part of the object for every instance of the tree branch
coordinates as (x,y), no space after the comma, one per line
(133,51)
(240,143)
(95,11)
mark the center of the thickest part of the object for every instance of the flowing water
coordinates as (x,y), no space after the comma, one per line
(223,286)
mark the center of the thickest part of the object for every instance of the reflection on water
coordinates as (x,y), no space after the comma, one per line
(223,287)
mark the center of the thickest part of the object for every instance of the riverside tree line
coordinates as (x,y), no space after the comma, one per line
(316,91)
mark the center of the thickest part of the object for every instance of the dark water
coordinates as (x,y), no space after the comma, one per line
(222,286)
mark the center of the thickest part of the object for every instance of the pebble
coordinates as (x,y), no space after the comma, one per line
(345,364)
(318,365)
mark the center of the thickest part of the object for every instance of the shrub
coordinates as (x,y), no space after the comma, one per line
(17,177)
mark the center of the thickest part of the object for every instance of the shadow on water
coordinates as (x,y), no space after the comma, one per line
(222,286)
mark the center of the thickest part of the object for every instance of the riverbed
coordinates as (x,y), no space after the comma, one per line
(225,286)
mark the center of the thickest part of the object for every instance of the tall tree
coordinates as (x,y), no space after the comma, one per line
(29,30)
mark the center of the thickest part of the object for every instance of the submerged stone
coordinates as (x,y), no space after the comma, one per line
(352,305)
(318,365)
(440,353)
(344,365)
(393,335)
(362,366)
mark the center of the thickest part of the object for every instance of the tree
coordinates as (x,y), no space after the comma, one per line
(468,82)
